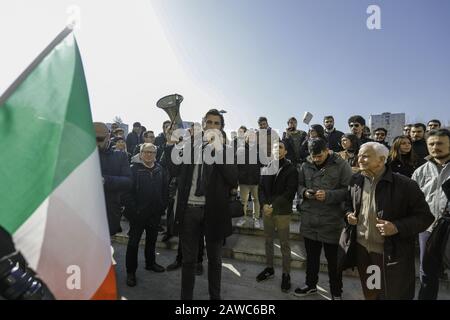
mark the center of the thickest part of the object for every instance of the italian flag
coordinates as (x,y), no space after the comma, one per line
(52,198)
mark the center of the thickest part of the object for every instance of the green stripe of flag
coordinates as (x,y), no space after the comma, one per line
(45,131)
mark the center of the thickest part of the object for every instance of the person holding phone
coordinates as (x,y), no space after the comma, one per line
(323,181)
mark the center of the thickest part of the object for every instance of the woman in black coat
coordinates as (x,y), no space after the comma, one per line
(351,144)
(402,158)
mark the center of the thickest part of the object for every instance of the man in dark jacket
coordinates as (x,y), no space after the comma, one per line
(293,139)
(276,193)
(332,135)
(380,135)
(116,176)
(161,139)
(323,182)
(202,205)
(389,211)
(419,144)
(145,205)
(134,137)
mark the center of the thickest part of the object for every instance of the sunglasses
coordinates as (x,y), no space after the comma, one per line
(356,125)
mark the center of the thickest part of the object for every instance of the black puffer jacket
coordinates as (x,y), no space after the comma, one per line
(149,193)
(403,167)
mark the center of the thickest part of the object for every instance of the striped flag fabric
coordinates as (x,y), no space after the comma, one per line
(52,198)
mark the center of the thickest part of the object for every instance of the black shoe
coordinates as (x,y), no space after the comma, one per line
(199,269)
(166,237)
(285,282)
(131,279)
(267,273)
(155,267)
(174,265)
(305,291)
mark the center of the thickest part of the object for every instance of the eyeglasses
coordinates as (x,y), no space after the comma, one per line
(148,152)
(217,123)
(356,125)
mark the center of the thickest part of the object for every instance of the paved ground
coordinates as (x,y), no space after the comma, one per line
(238,281)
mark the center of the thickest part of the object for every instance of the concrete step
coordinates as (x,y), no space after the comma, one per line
(244,247)
(248,245)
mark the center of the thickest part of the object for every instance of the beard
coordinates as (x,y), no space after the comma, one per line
(442,157)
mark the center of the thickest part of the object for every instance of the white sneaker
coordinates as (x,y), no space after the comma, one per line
(241,222)
(257,224)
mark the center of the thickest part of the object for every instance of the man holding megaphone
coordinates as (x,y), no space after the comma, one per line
(202,201)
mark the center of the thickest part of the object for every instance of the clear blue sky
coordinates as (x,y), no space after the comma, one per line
(280,58)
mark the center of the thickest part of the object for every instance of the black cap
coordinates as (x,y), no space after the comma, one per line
(136,124)
(316,146)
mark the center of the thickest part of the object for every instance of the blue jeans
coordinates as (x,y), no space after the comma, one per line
(429,282)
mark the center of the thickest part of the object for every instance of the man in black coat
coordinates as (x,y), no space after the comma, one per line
(145,204)
(134,137)
(116,176)
(333,136)
(389,211)
(161,139)
(293,139)
(203,194)
(419,144)
(276,193)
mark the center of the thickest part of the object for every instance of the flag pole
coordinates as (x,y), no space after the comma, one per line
(60,37)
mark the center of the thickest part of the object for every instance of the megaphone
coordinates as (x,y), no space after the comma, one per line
(171,105)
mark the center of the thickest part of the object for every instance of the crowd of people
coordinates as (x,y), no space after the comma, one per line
(391,195)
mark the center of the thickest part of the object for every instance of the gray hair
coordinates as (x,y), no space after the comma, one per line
(147,145)
(380,149)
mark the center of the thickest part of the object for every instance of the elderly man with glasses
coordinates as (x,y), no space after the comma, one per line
(388,211)
(145,204)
